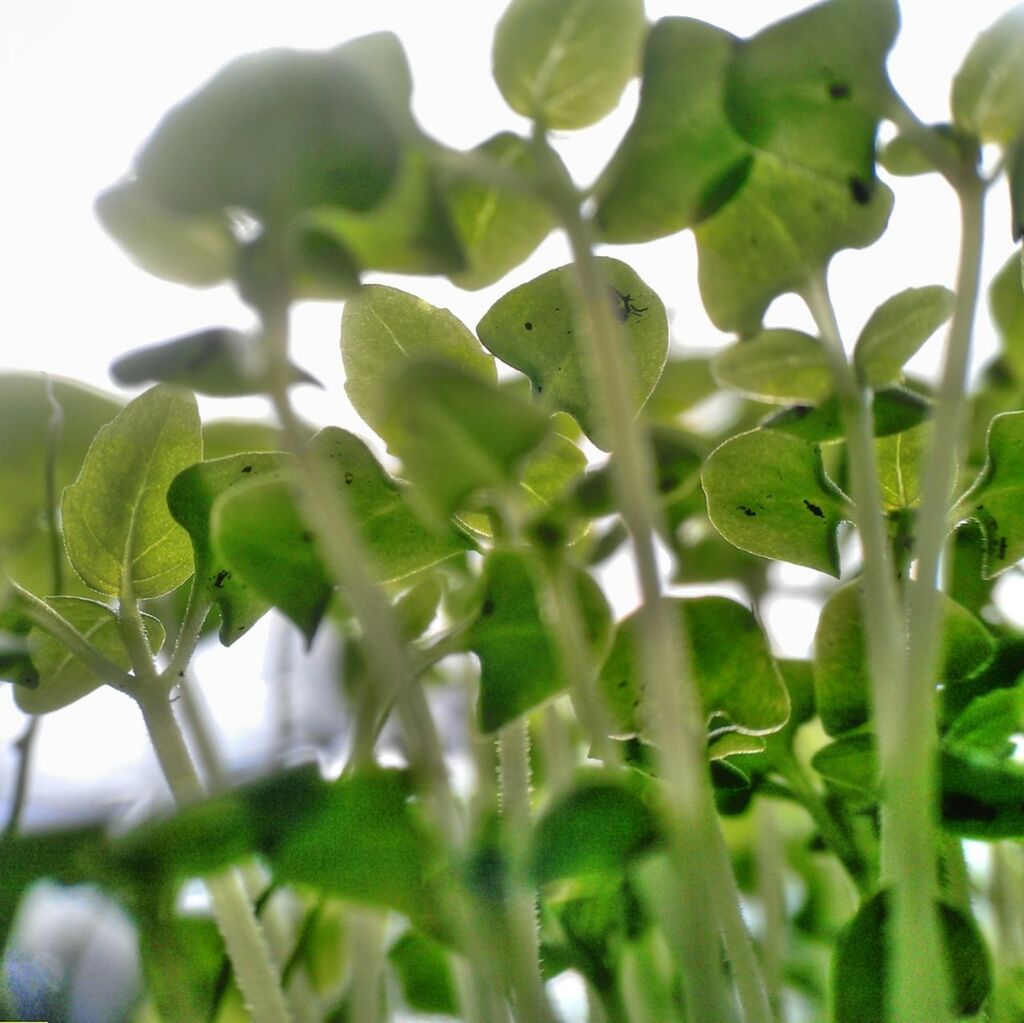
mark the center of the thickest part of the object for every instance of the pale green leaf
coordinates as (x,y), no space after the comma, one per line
(119,535)
(1006,301)
(776,365)
(900,458)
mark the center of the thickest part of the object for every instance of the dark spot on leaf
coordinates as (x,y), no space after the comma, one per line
(487,608)
(181,674)
(548,534)
(839,90)
(307,536)
(814,509)
(622,684)
(246,468)
(958,806)
(222,577)
(749,512)
(528,325)
(540,388)
(349,478)
(1002,548)
(860,190)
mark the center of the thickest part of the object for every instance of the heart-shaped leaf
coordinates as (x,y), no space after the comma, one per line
(768,494)
(118,532)
(776,365)
(537,329)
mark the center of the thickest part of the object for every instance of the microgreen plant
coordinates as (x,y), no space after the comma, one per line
(701,831)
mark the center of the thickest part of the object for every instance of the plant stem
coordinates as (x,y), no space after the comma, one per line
(55,430)
(191,629)
(23,745)
(366,929)
(256,974)
(771,861)
(710,902)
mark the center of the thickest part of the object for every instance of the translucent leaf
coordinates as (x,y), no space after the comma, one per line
(995,499)
(810,89)
(1014,156)
(732,666)
(458,434)
(25,413)
(497,227)
(259,535)
(783,226)
(382,329)
(190,498)
(776,365)
(424,973)
(223,437)
(281,131)
(1006,302)
(566,62)
(860,968)
(900,458)
(841,675)
(520,666)
(904,157)
(117,528)
(195,250)
(897,329)
(988,90)
(63,678)
(768,494)
(684,383)
(681,158)
(536,328)
(219,362)
(592,831)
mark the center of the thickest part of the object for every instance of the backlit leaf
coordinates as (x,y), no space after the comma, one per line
(117,527)
(731,663)
(536,328)
(776,365)
(1006,301)
(900,459)
(897,329)
(768,494)
(63,678)
(566,62)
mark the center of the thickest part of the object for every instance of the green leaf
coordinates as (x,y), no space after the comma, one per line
(190,498)
(424,973)
(282,131)
(520,666)
(223,437)
(497,227)
(731,663)
(841,675)
(565,62)
(1006,302)
(860,969)
(850,765)
(684,383)
(782,228)
(25,440)
(894,410)
(994,501)
(63,678)
(382,329)
(988,90)
(810,89)
(768,494)
(903,157)
(681,158)
(776,365)
(897,329)
(456,433)
(592,832)
(219,362)
(258,534)
(900,458)
(194,250)
(117,529)
(536,328)
(1014,157)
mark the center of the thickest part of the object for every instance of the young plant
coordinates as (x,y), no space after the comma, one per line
(664,783)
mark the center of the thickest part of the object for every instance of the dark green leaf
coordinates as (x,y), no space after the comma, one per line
(995,499)
(591,832)
(282,131)
(730,660)
(897,329)
(382,329)
(776,365)
(536,328)
(841,675)
(424,974)
(1006,301)
(988,90)
(497,228)
(457,434)
(566,62)
(768,494)
(860,969)
(119,534)
(520,666)
(63,678)
(190,499)
(681,158)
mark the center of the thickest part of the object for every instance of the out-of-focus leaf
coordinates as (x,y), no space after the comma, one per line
(424,974)
(776,365)
(894,410)
(1006,302)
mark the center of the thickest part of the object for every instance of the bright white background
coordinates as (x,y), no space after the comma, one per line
(82,84)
